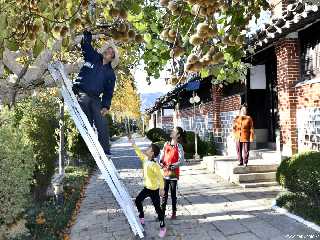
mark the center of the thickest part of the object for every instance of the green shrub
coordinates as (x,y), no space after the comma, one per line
(75,145)
(56,217)
(16,167)
(204,148)
(301,174)
(37,117)
(300,205)
(157,135)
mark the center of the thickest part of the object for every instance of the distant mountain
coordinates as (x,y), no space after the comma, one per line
(148,99)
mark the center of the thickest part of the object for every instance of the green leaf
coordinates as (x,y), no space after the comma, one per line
(3,26)
(135,8)
(148,38)
(204,72)
(38,47)
(154,28)
(12,45)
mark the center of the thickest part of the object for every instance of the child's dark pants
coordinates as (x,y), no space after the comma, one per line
(155,198)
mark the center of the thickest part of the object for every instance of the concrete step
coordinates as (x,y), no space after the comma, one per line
(258,184)
(265,154)
(256,177)
(255,169)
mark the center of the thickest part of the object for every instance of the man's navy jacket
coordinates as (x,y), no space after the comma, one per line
(95,78)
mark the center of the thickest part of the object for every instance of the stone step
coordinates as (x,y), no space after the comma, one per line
(255,169)
(258,184)
(256,177)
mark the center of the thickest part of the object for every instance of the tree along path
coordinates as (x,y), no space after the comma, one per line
(208,207)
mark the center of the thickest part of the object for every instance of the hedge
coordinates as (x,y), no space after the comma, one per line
(157,135)
(16,167)
(301,174)
(37,117)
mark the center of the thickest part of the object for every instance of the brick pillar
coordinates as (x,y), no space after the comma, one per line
(216,104)
(288,74)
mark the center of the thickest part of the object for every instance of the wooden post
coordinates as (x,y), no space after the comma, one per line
(62,140)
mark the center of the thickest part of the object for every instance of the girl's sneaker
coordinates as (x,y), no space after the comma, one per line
(162,232)
(142,221)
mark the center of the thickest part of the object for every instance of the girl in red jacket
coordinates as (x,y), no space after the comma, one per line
(171,158)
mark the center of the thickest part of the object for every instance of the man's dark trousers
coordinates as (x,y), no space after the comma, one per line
(91,106)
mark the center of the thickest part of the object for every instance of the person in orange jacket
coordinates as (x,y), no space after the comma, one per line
(243,133)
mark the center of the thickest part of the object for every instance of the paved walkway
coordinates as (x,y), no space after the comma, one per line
(208,208)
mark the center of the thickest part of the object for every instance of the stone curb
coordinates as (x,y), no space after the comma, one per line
(295,217)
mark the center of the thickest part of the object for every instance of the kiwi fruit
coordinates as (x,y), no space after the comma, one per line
(132,34)
(240,40)
(172,33)
(176,52)
(32,36)
(188,67)
(77,21)
(203,12)
(122,27)
(63,31)
(197,67)
(202,29)
(57,28)
(114,12)
(232,38)
(195,9)
(116,35)
(85,3)
(123,14)
(139,38)
(173,6)
(192,59)
(165,34)
(195,40)
(164,3)
(219,56)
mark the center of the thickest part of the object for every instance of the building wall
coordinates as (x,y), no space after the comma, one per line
(229,109)
(308,116)
(288,75)
(203,119)
(167,123)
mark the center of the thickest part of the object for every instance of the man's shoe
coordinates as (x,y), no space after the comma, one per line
(162,232)
(108,153)
(173,216)
(240,164)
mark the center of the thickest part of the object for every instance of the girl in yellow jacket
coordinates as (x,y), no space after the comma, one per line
(153,184)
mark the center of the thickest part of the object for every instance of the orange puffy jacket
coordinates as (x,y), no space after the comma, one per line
(243,129)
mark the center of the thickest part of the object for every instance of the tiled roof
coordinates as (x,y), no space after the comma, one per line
(297,16)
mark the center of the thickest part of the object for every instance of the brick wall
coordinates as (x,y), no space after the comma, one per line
(203,120)
(231,103)
(288,74)
(167,123)
(228,109)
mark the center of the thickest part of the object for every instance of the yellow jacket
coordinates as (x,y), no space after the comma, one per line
(153,178)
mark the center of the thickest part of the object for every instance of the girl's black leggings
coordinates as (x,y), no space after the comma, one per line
(172,184)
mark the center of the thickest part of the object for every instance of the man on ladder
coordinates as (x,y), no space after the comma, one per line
(95,84)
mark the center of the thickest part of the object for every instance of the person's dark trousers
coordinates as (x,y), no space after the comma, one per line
(172,185)
(155,198)
(91,106)
(243,149)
